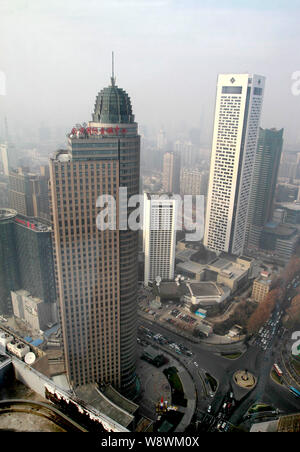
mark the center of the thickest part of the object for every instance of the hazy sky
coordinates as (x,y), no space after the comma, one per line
(56,56)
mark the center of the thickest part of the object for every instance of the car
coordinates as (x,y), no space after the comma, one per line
(196,364)
(209,409)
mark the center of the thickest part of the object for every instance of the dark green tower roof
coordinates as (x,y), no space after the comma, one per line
(113,106)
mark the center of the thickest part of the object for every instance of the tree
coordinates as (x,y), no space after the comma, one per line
(264,310)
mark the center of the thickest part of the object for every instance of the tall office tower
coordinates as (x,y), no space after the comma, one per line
(9,275)
(97,270)
(159,237)
(193,182)
(171,172)
(4,158)
(265,172)
(237,116)
(161,140)
(187,152)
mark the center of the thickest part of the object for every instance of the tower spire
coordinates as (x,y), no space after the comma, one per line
(113,79)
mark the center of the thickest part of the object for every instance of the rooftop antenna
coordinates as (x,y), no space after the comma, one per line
(113,80)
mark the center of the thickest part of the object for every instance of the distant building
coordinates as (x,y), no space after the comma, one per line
(193,182)
(4,158)
(187,152)
(28,192)
(171,172)
(291,212)
(279,241)
(159,237)
(4,194)
(261,287)
(161,140)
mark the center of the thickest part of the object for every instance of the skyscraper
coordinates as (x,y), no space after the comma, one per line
(237,117)
(28,192)
(193,182)
(160,216)
(97,269)
(9,272)
(26,261)
(171,172)
(267,160)
(4,158)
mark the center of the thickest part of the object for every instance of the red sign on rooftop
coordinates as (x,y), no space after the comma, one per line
(79,131)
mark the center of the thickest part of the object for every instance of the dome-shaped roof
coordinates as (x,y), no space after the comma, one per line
(113,106)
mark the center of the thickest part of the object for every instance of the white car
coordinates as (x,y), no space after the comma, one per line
(196,364)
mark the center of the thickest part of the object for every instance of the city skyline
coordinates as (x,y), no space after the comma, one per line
(149,217)
(165,30)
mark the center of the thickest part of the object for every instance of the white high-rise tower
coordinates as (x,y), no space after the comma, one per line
(160,217)
(237,118)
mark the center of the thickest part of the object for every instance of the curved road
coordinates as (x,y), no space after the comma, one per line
(222,369)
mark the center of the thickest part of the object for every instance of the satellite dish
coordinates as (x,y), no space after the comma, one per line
(29,358)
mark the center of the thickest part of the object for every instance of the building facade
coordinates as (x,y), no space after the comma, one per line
(28,192)
(159,237)
(9,270)
(26,261)
(261,286)
(237,118)
(265,172)
(97,268)
(171,172)
(193,182)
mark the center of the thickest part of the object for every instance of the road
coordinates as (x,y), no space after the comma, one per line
(257,359)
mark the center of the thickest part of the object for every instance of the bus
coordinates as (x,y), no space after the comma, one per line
(294,391)
(278,370)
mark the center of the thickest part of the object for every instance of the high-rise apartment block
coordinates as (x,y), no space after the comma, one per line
(4,158)
(96,268)
(193,182)
(171,172)
(159,238)
(237,117)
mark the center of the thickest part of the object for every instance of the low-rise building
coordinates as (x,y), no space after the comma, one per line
(261,287)
(205,293)
(232,273)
